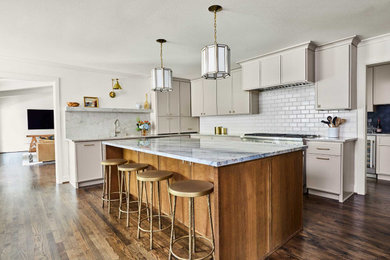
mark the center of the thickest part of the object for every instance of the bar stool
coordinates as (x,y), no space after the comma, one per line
(151,177)
(107,180)
(125,171)
(191,189)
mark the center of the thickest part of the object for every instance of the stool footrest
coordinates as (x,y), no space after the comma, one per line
(154,230)
(197,237)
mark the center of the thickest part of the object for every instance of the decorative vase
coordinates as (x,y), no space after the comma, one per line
(146,104)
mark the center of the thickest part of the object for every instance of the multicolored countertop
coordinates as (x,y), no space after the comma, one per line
(212,152)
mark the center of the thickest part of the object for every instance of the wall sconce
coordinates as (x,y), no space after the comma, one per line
(115,87)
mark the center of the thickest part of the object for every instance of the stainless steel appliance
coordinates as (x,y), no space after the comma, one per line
(371,156)
(297,139)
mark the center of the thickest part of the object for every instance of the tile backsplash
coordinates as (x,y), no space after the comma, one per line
(382,112)
(90,125)
(289,110)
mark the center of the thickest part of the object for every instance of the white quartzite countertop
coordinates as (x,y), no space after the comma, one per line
(212,152)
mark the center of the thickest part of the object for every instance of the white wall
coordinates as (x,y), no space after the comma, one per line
(370,51)
(289,110)
(74,83)
(13,116)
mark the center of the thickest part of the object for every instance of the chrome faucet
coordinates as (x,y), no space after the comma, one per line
(117,129)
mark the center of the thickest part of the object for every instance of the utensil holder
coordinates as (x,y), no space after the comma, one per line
(333,132)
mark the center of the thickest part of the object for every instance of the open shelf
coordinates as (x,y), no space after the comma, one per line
(106,110)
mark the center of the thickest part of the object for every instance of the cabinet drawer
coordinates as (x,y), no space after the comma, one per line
(383,140)
(327,148)
(323,172)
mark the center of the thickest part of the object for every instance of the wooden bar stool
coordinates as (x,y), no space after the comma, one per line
(107,180)
(152,177)
(125,171)
(191,189)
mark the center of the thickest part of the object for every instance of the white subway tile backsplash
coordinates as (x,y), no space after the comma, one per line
(289,110)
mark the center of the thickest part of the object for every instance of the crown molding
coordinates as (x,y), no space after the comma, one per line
(375,39)
(353,40)
(309,44)
(72,67)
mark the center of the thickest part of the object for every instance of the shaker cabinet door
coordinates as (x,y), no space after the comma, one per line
(293,66)
(185,99)
(240,98)
(270,71)
(163,125)
(333,78)
(163,103)
(251,75)
(174,99)
(197,97)
(209,97)
(224,96)
(89,157)
(381,85)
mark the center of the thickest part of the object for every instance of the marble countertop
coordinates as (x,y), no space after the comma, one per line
(93,139)
(334,140)
(212,152)
(377,134)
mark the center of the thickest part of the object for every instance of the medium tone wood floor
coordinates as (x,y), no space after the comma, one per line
(39,219)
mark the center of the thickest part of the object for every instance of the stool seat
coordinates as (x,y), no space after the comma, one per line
(132,167)
(191,188)
(154,175)
(110,162)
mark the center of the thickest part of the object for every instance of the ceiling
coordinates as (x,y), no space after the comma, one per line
(119,35)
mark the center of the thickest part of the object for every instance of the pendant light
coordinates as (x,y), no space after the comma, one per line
(215,57)
(162,77)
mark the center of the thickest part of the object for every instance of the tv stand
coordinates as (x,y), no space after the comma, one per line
(33,143)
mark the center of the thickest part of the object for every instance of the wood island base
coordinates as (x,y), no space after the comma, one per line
(257,205)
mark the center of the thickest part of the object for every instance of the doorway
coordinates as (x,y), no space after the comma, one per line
(18,94)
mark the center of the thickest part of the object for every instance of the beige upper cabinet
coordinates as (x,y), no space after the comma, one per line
(270,71)
(293,65)
(370,89)
(185,99)
(197,97)
(168,102)
(381,84)
(163,103)
(209,97)
(204,97)
(251,75)
(174,97)
(297,65)
(335,72)
(224,96)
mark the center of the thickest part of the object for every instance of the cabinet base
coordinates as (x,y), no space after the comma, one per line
(340,198)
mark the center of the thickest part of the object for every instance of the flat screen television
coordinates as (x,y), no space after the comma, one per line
(40,119)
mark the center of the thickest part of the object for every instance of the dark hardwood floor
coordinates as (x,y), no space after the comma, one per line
(42,220)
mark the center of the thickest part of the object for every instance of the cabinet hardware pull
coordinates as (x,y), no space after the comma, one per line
(89,144)
(322,158)
(323,149)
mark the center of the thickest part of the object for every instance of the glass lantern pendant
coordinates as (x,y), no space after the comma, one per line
(215,57)
(162,77)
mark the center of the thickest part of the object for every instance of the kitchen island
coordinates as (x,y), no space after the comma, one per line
(257,199)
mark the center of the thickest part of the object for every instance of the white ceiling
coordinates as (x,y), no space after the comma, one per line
(119,35)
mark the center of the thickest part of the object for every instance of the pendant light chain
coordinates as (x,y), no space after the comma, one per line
(215,26)
(161,55)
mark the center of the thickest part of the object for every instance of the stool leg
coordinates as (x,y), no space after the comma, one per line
(170,204)
(211,224)
(109,189)
(147,202)
(193,225)
(190,229)
(104,184)
(139,207)
(128,199)
(120,194)
(172,227)
(159,205)
(151,215)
